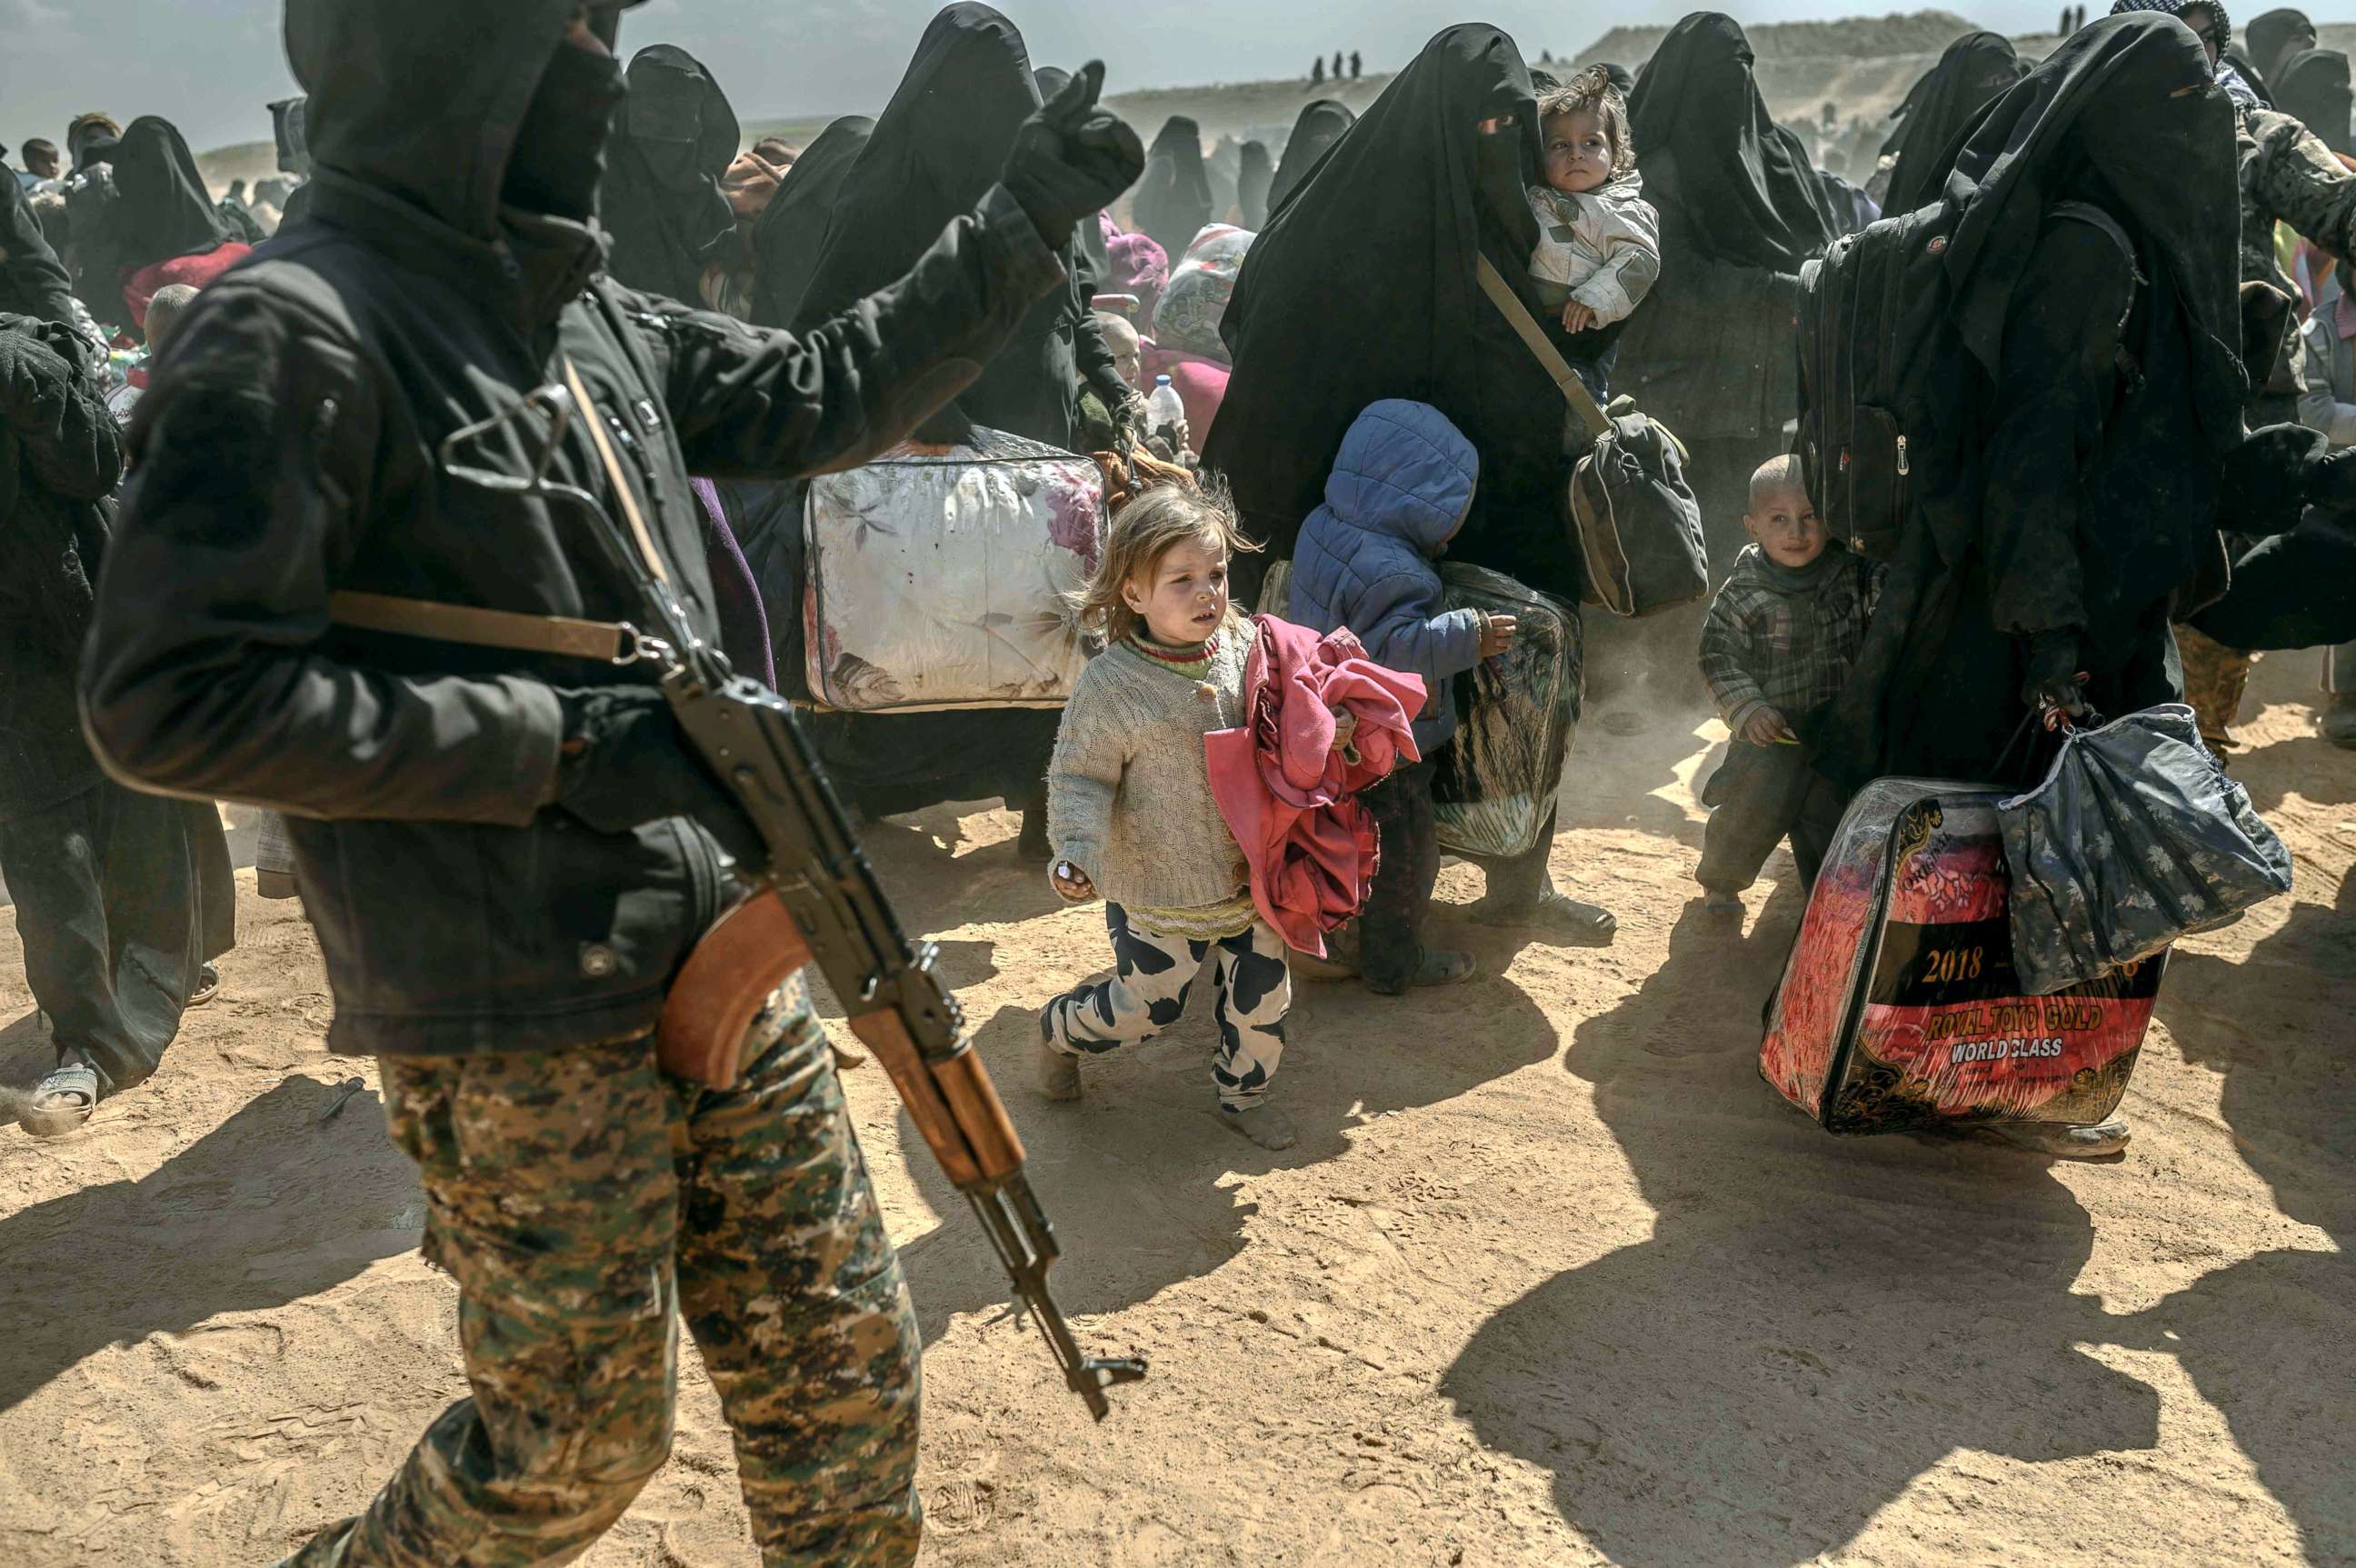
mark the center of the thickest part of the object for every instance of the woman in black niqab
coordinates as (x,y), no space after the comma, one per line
(1173,199)
(2087,400)
(1317,127)
(791,233)
(1711,354)
(1363,286)
(2314,89)
(1732,184)
(674,136)
(163,208)
(1975,70)
(935,152)
(1255,174)
(2273,37)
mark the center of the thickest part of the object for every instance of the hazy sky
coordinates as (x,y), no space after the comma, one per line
(210,65)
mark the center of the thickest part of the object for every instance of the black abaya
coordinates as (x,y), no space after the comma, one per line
(2085,399)
(2314,89)
(791,233)
(935,152)
(1174,199)
(1317,127)
(674,136)
(1975,70)
(1435,173)
(163,208)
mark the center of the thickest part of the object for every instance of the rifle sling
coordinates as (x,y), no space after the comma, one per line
(610,642)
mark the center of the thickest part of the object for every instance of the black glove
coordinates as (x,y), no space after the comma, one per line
(624,763)
(2052,678)
(2275,475)
(1072,158)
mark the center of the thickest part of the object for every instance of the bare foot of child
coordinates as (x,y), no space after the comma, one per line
(1263,1125)
(1058,1074)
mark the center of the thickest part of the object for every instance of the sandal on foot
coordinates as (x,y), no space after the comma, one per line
(61,1102)
(208,985)
(1570,921)
(1433,966)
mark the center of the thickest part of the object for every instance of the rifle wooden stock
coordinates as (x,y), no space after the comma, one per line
(756,948)
(748,953)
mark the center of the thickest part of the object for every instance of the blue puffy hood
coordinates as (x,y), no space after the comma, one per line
(1405,471)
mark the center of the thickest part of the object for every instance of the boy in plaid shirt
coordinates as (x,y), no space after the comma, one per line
(1776,649)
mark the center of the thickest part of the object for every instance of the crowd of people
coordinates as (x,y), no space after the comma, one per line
(235,421)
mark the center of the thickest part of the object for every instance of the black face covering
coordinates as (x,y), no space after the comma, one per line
(560,149)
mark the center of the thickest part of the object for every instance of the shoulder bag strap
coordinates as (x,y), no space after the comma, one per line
(1565,380)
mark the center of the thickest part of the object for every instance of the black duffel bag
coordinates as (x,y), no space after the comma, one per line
(1633,518)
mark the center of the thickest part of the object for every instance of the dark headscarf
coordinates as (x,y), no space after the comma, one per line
(2314,89)
(1174,199)
(936,151)
(1726,179)
(2097,120)
(791,233)
(1392,223)
(164,209)
(1975,69)
(674,136)
(1255,176)
(2274,37)
(1318,127)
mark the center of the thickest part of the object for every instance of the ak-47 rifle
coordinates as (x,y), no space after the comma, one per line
(817,898)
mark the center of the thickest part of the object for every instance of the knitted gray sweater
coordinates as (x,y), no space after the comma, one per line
(1129,793)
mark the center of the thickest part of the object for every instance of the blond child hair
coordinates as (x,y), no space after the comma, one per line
(1156,522)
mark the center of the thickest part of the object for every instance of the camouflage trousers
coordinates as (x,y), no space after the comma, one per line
(586,1202)
(2216,676)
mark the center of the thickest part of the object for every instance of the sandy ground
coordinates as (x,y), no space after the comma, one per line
(1551,1278)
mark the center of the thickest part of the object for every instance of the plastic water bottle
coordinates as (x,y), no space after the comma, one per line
(1164,411)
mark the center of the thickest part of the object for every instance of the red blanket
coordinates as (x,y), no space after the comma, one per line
(1289,795)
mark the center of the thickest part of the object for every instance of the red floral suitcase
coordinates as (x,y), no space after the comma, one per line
(1898,1006)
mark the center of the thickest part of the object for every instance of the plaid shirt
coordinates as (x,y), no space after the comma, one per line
(1768,645)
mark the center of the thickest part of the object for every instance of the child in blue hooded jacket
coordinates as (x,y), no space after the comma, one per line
(1400,489)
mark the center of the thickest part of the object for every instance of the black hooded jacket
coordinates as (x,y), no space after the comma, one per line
(1436,173)
(2089,393)
(288,450)
(661,206)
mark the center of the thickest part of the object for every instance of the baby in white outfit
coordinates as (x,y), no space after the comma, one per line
(1598,246)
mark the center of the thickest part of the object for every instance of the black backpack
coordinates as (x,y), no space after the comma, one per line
(1869,314)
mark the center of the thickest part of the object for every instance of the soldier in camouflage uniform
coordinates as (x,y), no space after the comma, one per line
(2288,176)
(506,849)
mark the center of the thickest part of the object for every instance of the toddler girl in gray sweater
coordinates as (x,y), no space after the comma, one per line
(1131,818)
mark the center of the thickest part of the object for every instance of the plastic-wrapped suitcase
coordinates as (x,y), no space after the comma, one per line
(1515,718)
(937,577)
(1515,715)
(1900,1007)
